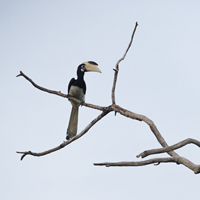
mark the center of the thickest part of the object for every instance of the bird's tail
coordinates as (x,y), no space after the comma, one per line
(73,123)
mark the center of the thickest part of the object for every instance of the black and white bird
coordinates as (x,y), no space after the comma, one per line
(77,89)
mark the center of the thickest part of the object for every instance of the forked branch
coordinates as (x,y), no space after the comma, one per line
(169,148)
(174,157)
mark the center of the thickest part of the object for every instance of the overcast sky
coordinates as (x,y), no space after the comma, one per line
(160,78)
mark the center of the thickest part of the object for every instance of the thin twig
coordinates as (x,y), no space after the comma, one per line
(169,148)
(117,65)
(41,88)
(136,164)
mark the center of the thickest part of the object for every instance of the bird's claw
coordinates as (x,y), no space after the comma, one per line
(69,95)
(82,102)
(67,137)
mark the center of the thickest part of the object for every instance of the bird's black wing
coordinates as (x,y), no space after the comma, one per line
(71,83)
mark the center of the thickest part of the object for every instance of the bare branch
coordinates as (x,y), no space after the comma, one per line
(60,93)
(117,109)
(65,143)
(41,88)
(161,140)
(117,65)
(169,148)
(143,118)
(135,164)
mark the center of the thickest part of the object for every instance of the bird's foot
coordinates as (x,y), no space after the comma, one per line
(82,102)
(69,95)
(67,138)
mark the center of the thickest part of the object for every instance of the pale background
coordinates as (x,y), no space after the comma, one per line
(160,78)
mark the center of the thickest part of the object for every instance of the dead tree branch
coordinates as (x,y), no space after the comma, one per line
(41,88)
(60,93)
(65,143)
(161,140)
(117,65)
(178,159)
(174,157)
(169,148)
(155,161)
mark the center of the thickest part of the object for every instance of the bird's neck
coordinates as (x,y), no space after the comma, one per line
(80,76)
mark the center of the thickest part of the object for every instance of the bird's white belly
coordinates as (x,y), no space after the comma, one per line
(76,92)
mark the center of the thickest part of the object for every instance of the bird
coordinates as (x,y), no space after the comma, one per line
(77,89)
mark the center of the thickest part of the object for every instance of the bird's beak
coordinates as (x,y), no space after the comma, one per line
(92,66)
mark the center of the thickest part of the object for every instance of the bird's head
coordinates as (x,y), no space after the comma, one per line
(89,66)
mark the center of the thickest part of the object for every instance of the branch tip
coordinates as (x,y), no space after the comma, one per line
(20,74)
(117,64)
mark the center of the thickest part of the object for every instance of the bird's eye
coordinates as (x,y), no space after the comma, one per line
(82,68)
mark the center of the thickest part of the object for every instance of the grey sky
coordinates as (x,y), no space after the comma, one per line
(160,78)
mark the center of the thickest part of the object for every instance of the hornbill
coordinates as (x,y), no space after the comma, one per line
(77,89)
